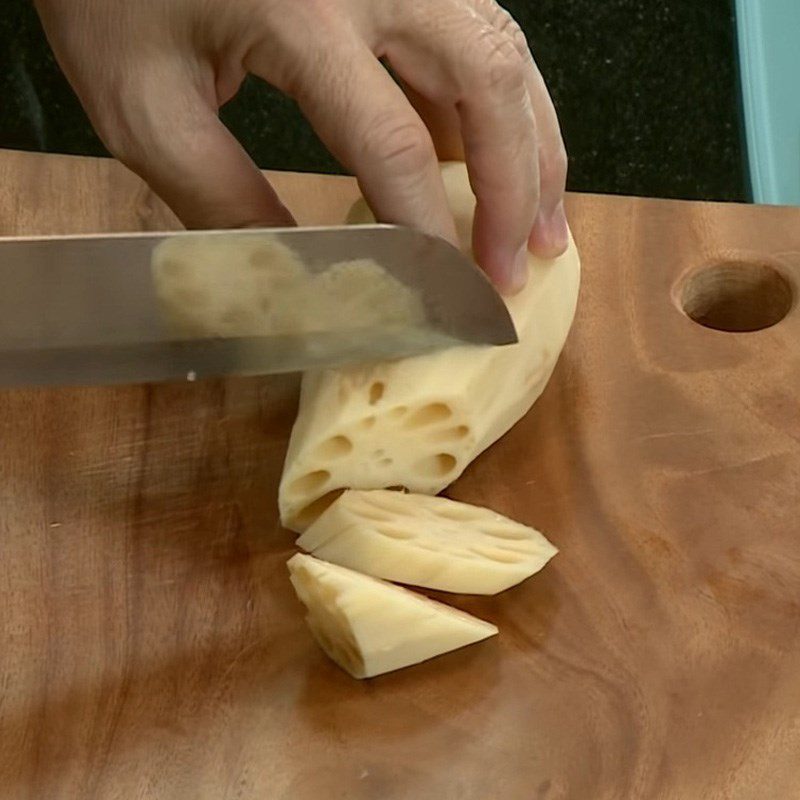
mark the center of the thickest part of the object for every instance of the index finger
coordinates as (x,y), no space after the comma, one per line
(367,122)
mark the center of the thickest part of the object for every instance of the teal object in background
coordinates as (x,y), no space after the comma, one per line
(769,62)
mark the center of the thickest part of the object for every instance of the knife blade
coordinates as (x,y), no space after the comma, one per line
(147,307)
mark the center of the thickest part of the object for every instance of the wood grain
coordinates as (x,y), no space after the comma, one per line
(150,644)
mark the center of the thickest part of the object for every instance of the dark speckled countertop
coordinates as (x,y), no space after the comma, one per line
(646,90)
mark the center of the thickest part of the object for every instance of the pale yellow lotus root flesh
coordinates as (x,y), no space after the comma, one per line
(369,627)
(252,284)
(419,422)
(426,541)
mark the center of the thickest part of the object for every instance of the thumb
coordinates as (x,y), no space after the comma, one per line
(167,131)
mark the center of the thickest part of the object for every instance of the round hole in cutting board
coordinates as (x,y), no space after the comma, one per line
(737,296)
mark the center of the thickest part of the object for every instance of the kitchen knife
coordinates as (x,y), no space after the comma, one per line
(100,309)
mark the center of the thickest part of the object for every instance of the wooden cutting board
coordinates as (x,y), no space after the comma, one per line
(151,646)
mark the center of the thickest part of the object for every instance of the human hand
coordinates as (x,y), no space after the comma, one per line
(153,74)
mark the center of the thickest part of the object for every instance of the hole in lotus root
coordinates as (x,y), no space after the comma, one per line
(437,466)
(335,447)
(494,554)
(499,532)
(309,513)
(311,482)
(396,533)
(429,414)
(376,392)
(451,434)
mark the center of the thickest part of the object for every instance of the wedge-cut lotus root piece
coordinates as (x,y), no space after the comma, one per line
(418,422)
(427,541)
(369,627)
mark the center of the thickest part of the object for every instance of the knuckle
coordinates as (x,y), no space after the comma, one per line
(502,67)
(553,165)
(510,28)
(110,113)
(518,190)
(113,133)
(402,145)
